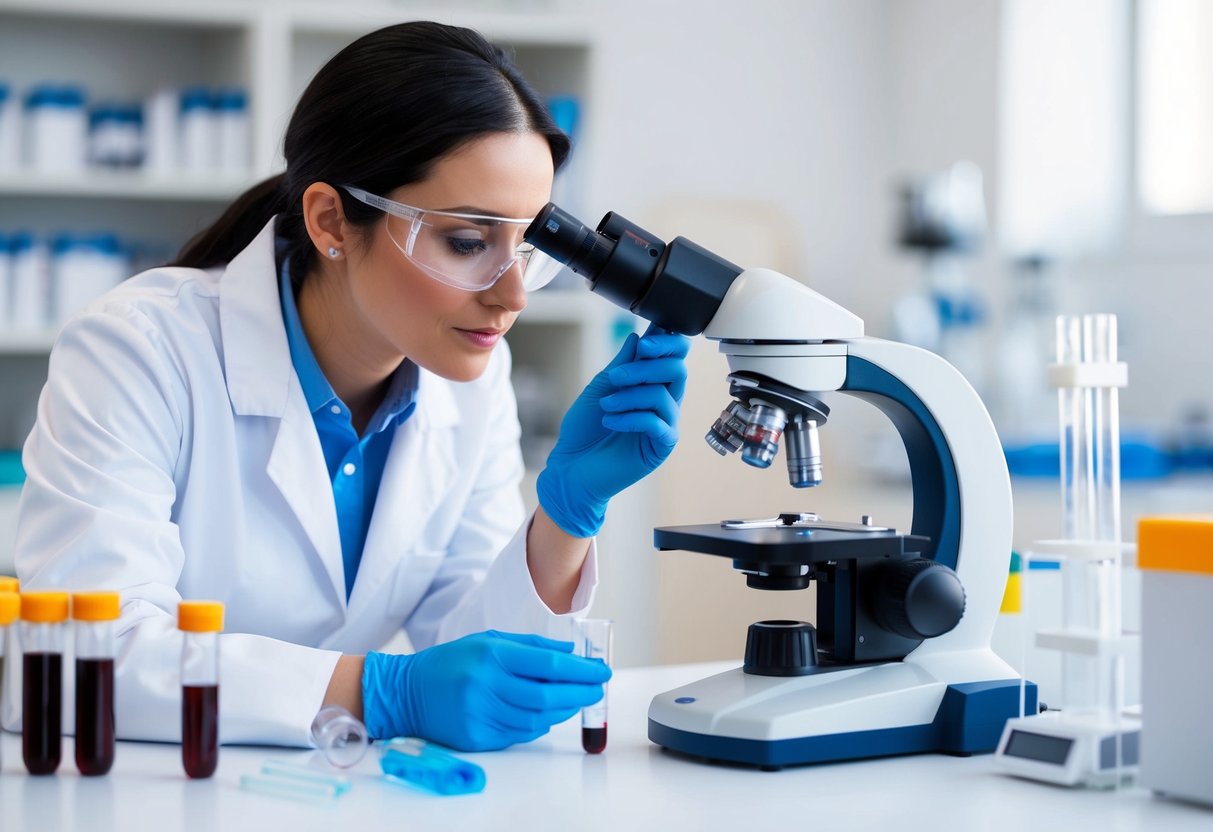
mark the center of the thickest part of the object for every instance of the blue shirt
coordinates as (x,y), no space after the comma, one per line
(355,463)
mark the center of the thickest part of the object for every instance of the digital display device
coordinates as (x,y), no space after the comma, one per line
(1040,747)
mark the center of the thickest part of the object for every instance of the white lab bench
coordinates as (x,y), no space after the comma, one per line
(552,785)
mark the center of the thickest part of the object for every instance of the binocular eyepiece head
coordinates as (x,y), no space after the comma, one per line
(678,286)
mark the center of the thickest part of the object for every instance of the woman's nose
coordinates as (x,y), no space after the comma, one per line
(508,291)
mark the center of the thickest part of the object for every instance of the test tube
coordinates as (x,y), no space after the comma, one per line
(1090,480)
(340,736)
(201,622)
(594,642)
(42,617)
(95,614)
(10,608)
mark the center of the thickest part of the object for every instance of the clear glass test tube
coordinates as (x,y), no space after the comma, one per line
(594,641)
(339,736)
(1090,480)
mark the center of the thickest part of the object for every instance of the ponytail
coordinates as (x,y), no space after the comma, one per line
(236,228)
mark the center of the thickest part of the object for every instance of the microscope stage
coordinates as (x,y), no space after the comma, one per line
(788,544)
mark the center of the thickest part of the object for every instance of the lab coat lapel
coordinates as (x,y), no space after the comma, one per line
(420,470)
(262,383)
(298,469)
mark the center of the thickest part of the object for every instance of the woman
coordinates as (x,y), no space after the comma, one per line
(309,417)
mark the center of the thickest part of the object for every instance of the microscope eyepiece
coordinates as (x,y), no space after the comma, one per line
(565,238)
(678,286)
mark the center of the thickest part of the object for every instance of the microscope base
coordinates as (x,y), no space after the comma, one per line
(838,714)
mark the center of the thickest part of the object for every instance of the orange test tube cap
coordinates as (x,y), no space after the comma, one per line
(200,616)
(44,607)
(95,606)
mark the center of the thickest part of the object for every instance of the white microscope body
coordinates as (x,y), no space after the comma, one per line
(772,325)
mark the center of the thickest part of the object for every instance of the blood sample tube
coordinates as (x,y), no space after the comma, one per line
(10,608)
(594,642)
(95,614)
(42,617)
(201,622)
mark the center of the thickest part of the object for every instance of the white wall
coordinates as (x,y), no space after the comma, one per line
(772,100)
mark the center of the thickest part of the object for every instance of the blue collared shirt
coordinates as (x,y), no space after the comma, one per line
(355,463)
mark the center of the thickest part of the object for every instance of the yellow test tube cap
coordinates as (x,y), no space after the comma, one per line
(8,584)
(10,607)
(47,607)
(96,606)
(200,616)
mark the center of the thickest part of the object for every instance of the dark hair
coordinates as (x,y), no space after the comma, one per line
(379,115)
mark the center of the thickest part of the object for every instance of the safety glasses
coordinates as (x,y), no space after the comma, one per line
(467,251)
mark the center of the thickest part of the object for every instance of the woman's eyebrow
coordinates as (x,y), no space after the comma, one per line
(474,209)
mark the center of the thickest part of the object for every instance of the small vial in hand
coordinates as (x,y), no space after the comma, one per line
(594,641)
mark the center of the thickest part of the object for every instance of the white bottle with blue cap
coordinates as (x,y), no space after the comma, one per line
(30,275)
(199,132)
(85,266)
(56,129)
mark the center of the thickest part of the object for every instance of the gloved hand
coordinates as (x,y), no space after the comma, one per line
(622,426)
(478,693)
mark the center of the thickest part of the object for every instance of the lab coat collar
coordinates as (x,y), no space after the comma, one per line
(256,358)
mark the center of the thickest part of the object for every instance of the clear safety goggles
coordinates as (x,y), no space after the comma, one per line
(467,251)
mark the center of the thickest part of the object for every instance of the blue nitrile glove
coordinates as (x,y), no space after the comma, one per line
(622,426)
(478,693)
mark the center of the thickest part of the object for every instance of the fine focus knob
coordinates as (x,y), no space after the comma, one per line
(780,648)
(917,598)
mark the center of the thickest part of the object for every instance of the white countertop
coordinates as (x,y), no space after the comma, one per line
(552,785)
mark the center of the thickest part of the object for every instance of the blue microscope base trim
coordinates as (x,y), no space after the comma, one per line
(970,720)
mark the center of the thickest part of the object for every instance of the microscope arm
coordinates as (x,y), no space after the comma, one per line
(772,326)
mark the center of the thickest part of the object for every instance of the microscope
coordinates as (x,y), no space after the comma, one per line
(899,660)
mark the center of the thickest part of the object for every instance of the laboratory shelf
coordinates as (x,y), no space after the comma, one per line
(118,185)
(35,342)
(212,13)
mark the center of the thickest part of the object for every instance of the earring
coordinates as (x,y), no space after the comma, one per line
(334,252)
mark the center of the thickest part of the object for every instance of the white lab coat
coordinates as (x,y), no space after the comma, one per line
(174,456)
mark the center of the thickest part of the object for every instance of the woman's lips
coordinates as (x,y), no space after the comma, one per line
(481,337)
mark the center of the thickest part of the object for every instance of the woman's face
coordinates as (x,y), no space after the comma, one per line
(451,332)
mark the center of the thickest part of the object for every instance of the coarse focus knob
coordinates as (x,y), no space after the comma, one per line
(780,648)
(917,598)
